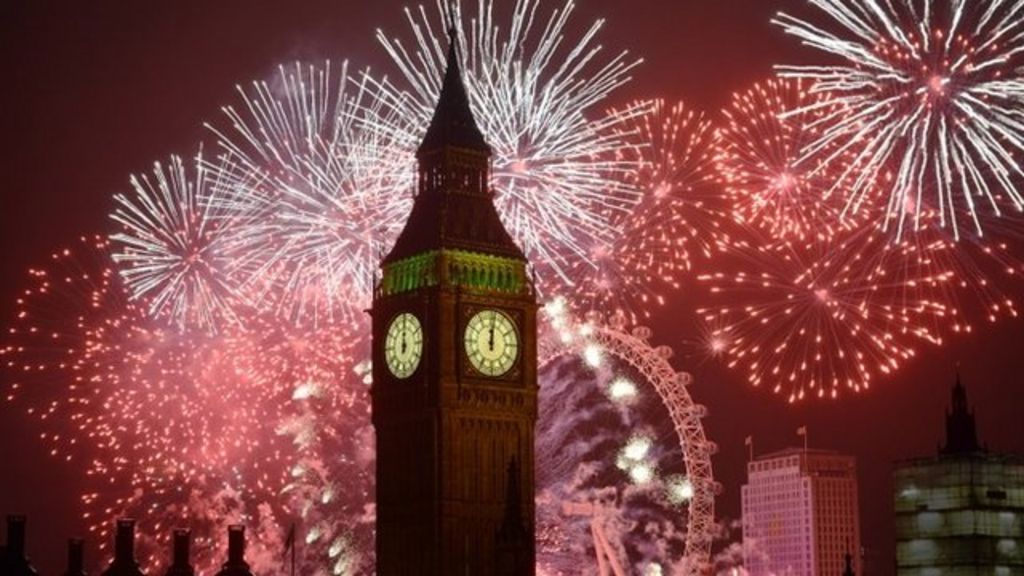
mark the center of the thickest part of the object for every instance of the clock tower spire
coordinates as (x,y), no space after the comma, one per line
(454,367)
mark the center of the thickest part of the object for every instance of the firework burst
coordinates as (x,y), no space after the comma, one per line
(678,219)
(558,168)
(926,100)
(172,247)
(817,318)
(758,153)
(318,196)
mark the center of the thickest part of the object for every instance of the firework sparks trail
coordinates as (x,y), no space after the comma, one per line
(817,318)
(172,247)
(678,219)
(558,171)
(758,153)
(318,196)
(976,278)
(927,101)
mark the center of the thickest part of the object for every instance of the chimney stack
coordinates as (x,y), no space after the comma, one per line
(124,541)
(16,535)
(236,565)
(236,544)
(180,565)
(14,561)
(124,563)
(76,557)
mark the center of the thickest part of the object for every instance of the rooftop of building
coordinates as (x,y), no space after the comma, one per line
(813,462)
(786,452)
(954,459)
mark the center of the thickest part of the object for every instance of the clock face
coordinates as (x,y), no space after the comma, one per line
(492,343)
(403,346)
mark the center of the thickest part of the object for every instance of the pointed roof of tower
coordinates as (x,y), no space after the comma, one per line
(453,123)
(961,432)
(454,207)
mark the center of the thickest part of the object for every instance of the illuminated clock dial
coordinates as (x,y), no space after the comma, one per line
(403,346)
(492,343)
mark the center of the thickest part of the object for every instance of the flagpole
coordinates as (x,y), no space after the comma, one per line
(802,431)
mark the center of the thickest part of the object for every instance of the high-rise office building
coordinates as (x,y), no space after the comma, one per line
(800,515)
(960,512)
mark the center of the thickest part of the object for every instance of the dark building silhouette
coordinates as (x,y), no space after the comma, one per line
(454,368)
(14,561)
(180,563)
(124,563)
(235,565)
(76,557)
(960,512)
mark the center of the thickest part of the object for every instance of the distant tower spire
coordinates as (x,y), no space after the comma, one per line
(452,32)
(513,537)
(961,433)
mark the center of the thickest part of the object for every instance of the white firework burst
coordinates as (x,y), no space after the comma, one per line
(172,246)
(927,97)
(317,194)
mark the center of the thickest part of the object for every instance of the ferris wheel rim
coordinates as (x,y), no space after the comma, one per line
(634,349)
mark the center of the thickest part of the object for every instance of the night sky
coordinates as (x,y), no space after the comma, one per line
(96,90)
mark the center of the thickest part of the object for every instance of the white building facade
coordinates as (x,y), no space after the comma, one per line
(800,514)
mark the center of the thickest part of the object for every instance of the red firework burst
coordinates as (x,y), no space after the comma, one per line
(679,219)
(759,162)
(816,318)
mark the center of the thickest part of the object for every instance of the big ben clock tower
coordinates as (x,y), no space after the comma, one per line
(454,368)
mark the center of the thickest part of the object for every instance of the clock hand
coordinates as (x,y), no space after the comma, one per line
(404,338)
(490,339)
